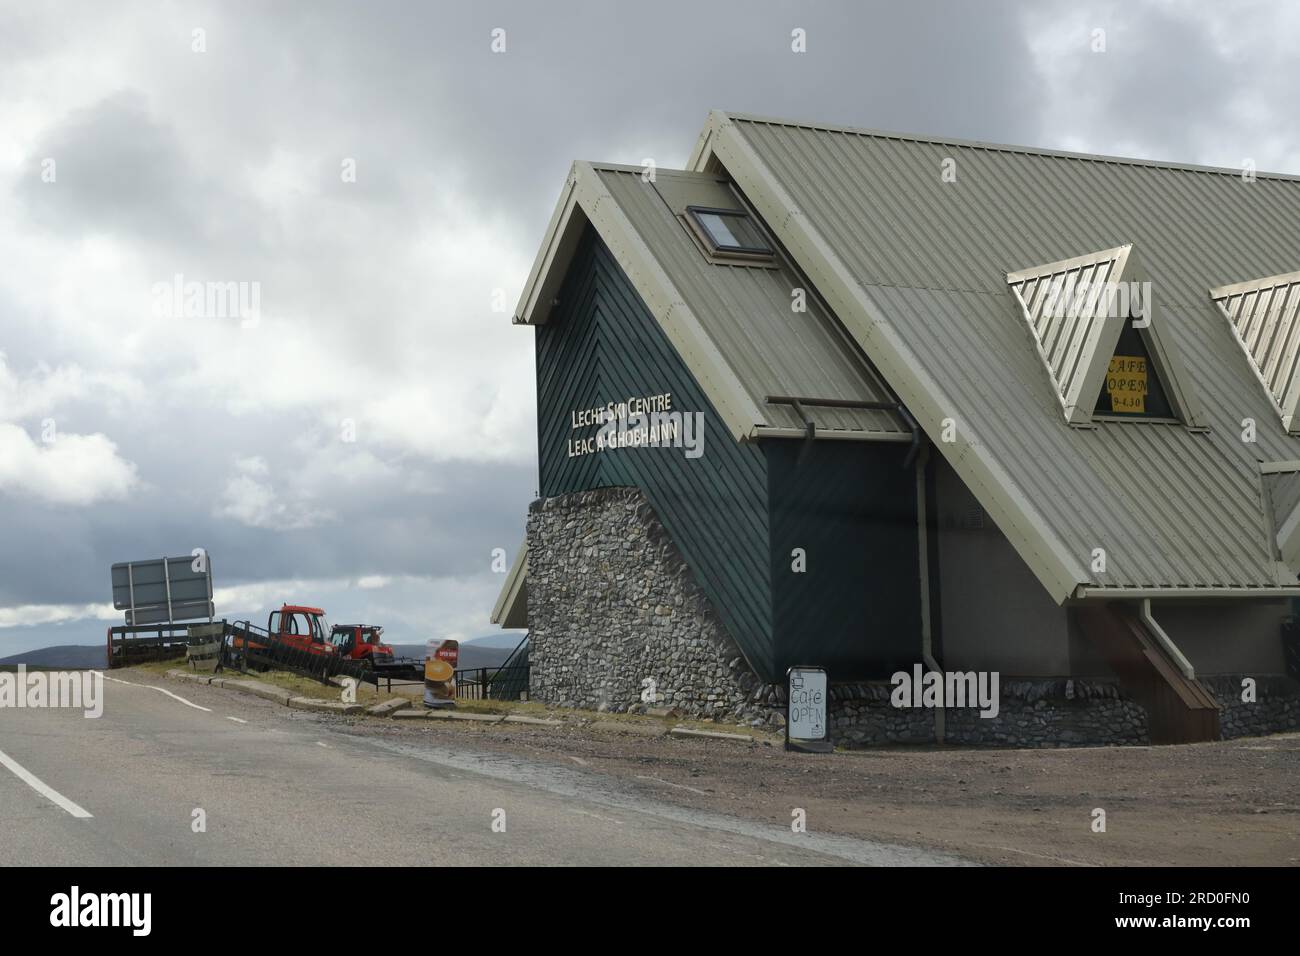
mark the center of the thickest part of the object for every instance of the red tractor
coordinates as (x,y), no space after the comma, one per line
(301,627)
(297,626)
(361,642)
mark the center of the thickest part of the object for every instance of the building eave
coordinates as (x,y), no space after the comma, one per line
(511,608)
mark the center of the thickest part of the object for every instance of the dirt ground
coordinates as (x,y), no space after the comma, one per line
(1228,803)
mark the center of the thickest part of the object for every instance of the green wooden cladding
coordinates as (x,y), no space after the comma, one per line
(736,512)
(851,507)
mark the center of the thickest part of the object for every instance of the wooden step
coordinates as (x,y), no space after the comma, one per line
(1179,709)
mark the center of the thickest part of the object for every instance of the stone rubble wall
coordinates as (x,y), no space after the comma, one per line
(612,605)
(1276,707)
(1031,713)
(1061,712)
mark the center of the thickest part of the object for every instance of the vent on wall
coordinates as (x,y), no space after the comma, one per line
(1263,316)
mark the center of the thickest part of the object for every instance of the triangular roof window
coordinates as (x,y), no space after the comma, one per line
(1132,388)
(1093,321)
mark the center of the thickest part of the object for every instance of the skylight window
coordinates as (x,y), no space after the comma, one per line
(1133,388)
(729,232)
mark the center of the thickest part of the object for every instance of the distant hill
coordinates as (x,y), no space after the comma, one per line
(61,655)
(472,653)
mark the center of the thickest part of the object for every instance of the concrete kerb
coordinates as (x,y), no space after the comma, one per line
(410,715)
(324,706)
(453,715)
(533,721)
(448,715)
(400,709)
(256,688)
(385,708)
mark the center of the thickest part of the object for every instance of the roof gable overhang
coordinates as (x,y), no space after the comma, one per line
(585,199)
(511,607)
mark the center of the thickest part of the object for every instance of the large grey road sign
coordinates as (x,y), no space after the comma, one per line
(163,590)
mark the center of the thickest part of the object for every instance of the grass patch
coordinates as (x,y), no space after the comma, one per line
(295,684)
(366,694)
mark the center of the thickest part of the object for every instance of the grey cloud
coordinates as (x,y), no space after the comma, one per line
(118,170)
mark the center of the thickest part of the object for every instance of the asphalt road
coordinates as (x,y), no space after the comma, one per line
(282,787)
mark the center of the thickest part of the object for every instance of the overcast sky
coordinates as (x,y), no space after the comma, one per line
(365,437)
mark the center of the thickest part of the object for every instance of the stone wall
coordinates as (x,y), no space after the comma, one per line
(612,606)
(1061,712)
(1276,706)
(1031,713)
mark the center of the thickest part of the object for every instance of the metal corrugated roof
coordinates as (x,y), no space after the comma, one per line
(916,268)
(1264,317)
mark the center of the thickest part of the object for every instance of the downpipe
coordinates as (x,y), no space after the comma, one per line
(1165,641)
(921,457)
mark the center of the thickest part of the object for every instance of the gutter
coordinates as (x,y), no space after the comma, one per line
(810,427)
(1086,592)
(1165,641)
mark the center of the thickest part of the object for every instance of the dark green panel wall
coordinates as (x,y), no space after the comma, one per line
(601,344)
(852,507)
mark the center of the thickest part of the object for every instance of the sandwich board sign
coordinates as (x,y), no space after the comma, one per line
(806,726)
(440,659)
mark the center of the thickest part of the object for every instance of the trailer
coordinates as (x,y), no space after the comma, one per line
(364,643)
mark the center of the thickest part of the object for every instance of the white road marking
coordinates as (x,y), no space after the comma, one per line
(161,690)
(669,783)
(238,720)
(43,789)
(1040,856)
(588,813)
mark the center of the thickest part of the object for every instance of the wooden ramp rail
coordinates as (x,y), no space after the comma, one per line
(1179,709)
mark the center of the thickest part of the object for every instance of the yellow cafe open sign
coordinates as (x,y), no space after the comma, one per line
(1126,381)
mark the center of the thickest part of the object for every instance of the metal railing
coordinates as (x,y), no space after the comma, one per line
(507,682)
(493,683)
(138,643)
(246,645)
